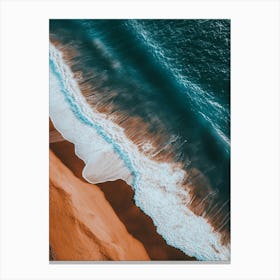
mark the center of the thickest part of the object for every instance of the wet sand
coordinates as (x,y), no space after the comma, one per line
(120,197)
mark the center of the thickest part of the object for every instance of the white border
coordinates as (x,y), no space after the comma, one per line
(24,138)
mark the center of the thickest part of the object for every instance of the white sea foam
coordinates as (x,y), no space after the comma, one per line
(109,155)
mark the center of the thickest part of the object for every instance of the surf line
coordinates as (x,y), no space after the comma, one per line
(84,119)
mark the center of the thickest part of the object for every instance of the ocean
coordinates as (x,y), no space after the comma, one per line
(148,102)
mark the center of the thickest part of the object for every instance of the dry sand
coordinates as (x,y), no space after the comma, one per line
(83,225)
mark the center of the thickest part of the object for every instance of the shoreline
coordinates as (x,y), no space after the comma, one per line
(120,197)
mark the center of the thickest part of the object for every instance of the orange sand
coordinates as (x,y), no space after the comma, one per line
(83,225)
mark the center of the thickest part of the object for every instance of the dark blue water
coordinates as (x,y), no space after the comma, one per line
(174,75)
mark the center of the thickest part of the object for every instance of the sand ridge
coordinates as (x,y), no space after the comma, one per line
(83,225)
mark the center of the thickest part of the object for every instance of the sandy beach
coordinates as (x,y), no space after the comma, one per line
(83,225)
(76,206)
